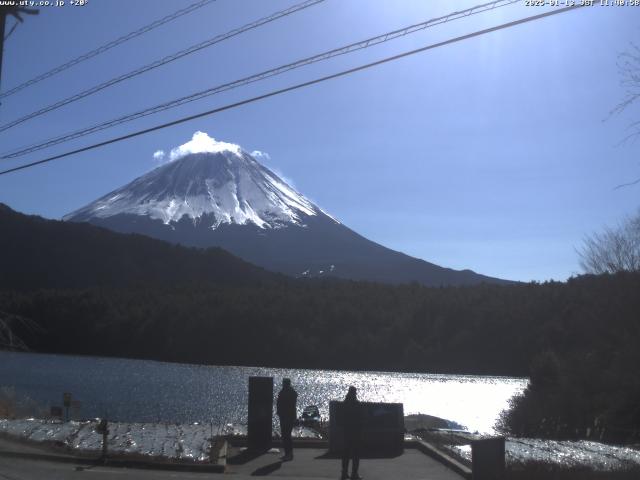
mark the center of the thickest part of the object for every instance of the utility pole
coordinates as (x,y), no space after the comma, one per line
(15,12)
(3,19)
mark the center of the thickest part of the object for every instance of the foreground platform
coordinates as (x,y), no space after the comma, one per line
(20,462)
(311,463)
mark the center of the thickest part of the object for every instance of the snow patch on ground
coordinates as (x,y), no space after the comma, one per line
(186,442)
(594,455)
(190,442)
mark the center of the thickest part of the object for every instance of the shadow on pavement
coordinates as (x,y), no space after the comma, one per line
(245,456)
(336,456)
(266,470)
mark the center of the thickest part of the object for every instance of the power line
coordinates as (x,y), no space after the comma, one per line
(163,61)
(107,46)
(260,76)
(295,87)
(12,30)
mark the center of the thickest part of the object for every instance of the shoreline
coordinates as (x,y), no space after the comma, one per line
(316,369)
(197,443)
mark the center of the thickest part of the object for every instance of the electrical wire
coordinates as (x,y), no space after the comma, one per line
(296,87)
(369,42)
(11,31)
(163,61)
(107,46)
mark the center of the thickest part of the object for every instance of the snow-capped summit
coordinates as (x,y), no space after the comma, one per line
(204,177)
(215,194)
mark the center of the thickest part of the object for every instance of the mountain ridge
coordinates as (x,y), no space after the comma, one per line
(216,194)
(41,253)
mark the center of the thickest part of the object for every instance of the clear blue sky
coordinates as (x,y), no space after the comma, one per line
(491,154)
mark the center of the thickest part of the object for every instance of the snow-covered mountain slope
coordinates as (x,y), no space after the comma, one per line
(216,194)
(228,186)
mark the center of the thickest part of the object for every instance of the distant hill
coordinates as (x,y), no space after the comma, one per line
(39,253)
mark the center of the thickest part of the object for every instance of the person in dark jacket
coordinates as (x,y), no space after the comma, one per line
(286,410)
(352,424)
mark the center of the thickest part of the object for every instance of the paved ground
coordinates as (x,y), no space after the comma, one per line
(308,464)
(7,445)
(411,465)
(21,469)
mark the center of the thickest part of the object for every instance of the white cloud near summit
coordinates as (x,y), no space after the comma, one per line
(202,143)
(260,156)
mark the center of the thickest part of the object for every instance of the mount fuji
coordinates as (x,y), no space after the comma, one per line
(214,193)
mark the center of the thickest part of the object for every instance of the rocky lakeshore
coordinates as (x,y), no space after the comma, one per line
(175,442)
(194,442)
(526,454)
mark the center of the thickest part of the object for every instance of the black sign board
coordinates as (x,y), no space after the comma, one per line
(382,428)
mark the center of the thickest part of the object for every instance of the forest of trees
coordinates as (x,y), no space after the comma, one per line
(94,292)
(578,340)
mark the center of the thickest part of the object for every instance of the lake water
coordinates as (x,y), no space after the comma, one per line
(147,391)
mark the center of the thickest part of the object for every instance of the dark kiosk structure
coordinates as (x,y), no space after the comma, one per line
(487,456)
(260,413)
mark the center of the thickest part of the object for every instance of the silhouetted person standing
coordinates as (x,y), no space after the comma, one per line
(352,422)
(286,410)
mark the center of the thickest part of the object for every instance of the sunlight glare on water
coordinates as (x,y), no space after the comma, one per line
(147,391)
(471,401)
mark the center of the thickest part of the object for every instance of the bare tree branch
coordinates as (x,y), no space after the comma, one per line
(629,184)
(629,69)
(614,249)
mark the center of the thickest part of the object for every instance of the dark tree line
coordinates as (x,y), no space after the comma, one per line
(578,340)
(79,289)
